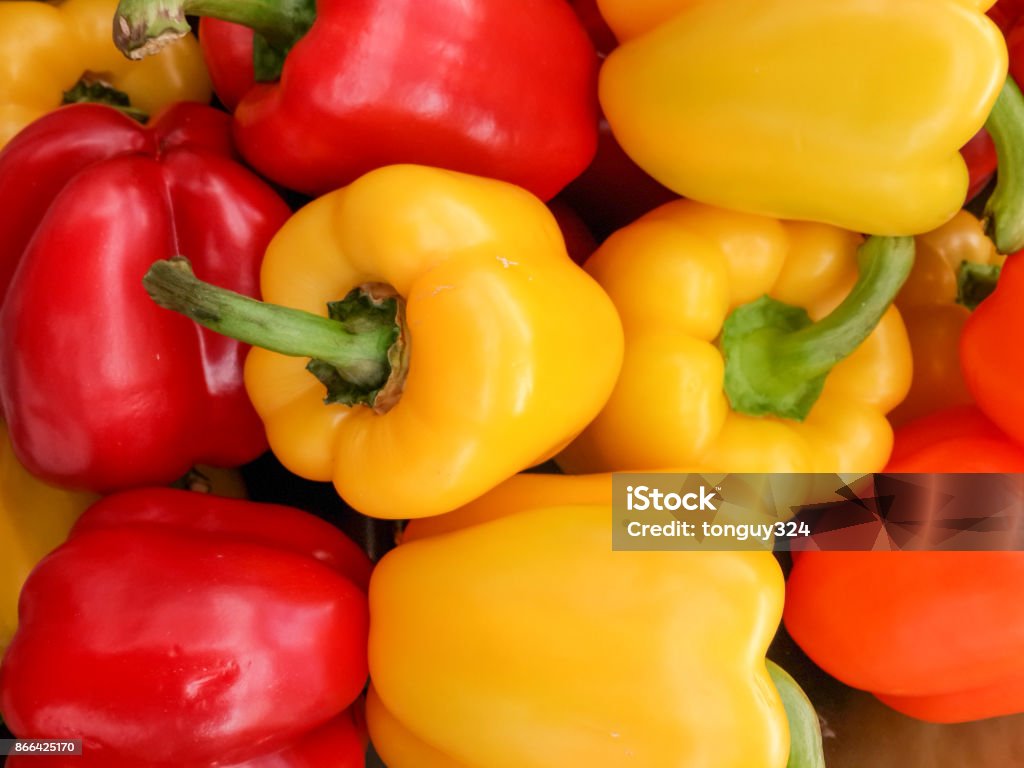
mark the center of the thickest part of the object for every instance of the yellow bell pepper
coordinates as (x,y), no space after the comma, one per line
(526,642)
(956,258)
(511,347)
(685,271)
(46,47)
(34,519)
(848,112)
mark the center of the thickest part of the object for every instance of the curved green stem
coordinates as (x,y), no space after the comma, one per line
(1004,212)
(143,27)
(351,352)
(776,359)
(805,747)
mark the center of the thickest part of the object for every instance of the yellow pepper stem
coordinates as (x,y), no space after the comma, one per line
(144,27)
(805,747)
(1004,211)
(358,352)
(776,359)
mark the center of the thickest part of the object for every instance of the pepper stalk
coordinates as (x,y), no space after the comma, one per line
(144,27)
(92,89)
(776,359)
(359,352)
(805,745)
(1003,217)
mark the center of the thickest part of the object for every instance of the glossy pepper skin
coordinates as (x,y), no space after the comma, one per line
(549,680)
(771,106)
(929,306)
(34,519)
(92,199)
(46,47)
(934,635)
(513,348)
(181,629)
(674,276)
(500,89)
(992,367)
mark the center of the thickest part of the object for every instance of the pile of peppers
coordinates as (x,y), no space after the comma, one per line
(325,324)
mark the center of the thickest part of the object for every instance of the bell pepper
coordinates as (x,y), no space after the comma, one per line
(773,106)
(46,48)
(954,268)
(991,366)
(91,200)
(34,519)
(228,52)
(182,629)
(481,657)
(476,348)
(934,635)
(499,89)
(723,369)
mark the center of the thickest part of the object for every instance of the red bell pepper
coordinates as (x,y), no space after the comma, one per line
(992,364)
(101,389)
(188,630)
(934,635)
(228,53)
(498,88)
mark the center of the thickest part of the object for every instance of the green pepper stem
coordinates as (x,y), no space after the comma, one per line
(143,27)
(92,90)
(1004,212)
(776,359)
(805,746)
(885,264)
(975,283)
(354,350)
